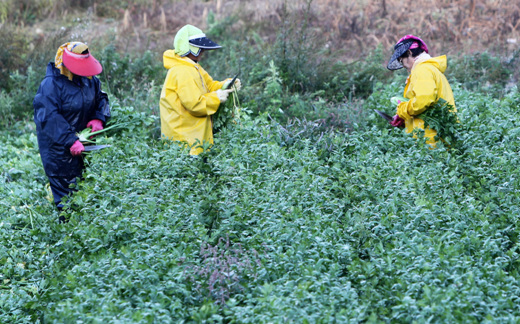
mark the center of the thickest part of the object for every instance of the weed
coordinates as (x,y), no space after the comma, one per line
(223,270)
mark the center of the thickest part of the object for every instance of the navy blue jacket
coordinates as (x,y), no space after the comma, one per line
(61,109)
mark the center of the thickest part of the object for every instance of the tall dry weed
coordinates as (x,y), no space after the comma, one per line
(361,25)
(353,27)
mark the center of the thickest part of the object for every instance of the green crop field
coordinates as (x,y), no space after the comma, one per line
(309,208)
(365,226)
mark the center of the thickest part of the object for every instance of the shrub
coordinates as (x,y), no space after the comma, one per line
(16,104)
(13,50)
(24,63)
(222,270)
(292,77)
(481,72)
(358,78)
(124,73)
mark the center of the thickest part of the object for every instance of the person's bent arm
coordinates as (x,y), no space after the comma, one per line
(424,94)
(196,103)
(212,84)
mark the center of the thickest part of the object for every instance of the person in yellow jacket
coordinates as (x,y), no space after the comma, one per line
(425,85)
(190,96)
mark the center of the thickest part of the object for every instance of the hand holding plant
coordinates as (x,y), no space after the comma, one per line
(236,85)
(77,148)
(397,122)
(223,94)
(95,124)
(228,111)
(85,135)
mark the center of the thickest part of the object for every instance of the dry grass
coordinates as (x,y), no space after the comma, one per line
(354,27)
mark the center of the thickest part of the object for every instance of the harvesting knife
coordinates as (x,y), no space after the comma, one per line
(232,81)
(384,115)
(89,148)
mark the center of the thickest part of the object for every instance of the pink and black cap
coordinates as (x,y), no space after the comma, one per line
(402,46)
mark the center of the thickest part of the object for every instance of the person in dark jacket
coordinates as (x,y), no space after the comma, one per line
(68,100)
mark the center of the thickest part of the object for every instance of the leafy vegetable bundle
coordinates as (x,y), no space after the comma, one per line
(229,112)
(442,117)
(85,136)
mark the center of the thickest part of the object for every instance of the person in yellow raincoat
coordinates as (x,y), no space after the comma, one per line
(190,96)
(425,85)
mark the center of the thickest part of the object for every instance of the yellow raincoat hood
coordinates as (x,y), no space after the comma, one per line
(188,100)
(425,85)
(439,62)
(170,59)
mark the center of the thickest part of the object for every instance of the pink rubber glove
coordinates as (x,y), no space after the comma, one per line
(95,124)
(397,121)
(77,148)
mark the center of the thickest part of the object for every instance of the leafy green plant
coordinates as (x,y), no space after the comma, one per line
(442,117)
(124,74)
(231,112)
(12,40)
(357,78)
(356,220)
(380,228)
(481,72)
(16,104)
(273,90)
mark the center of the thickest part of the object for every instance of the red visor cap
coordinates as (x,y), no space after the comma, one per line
(81,64)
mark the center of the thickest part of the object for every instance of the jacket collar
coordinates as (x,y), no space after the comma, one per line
(421,58)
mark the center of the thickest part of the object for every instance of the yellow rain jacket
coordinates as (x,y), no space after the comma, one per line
(188,99)
(425,85)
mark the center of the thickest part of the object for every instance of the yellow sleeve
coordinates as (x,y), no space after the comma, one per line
(212,84)
(191,94)
(422,92)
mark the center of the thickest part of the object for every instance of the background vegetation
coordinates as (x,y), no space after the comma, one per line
(309,209)
(321,49)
